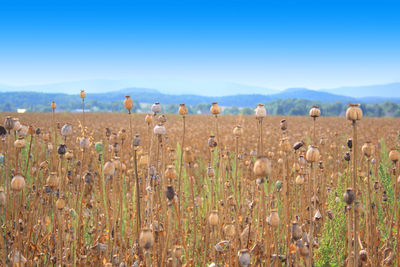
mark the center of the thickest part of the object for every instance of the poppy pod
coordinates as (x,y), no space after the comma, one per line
(273,218)
(3,197)
(3,131)
(238,131)
(84,143)
(262,167)
(144,160)
(113,138)
(156,108)
(69,155)
(298,145)
(17,183)
(159,129)
(394,155)
(23,130)
(61,150)
(210,172)
(170,172)
(117,163)
(31,130)
(302,160)
(213,218)
(215,109)
(162,119)
(315,112)
(349,196)
(182,110)
(283,125)
(170,193)
(17,124)
(229,230)
(347,156)
(317,215)
(188,156)
(302,249)
(109,168)
(368,149)
(146,238)
(148,119)
(363,255)
(52,180)
(66,130)
(136,141)
(60,203)
(128,104)
(349,143)
(260,111)
(177,251)
(297,233)
(19,143)
(211,141)
(82,94)
(9,123)
(312,154)
(300,179)
(244,257)
(354,112)
(99,147)
(53,105)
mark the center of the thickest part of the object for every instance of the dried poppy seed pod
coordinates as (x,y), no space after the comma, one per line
(298,145)
(62,149)
(244,257)
(136,141)
(9,123)
(19,143)
(312,154)
(159,129)
(284,144)
(109,168)
(297,233)
(273,218)
(31,130)
(238,131)
(213,218)
(84,143)
(363,255)
(215,109)
(17,124)
(122,135)
(368,149)
(210,172)
(229,231)
(60,203)
(17,183)
(170,172)
(156,108)
(315,112)
(188,156)
(211,141)
(347,156)
(302,249)
(66,130)
(350,143)
(53,105)
(262,167)
(394,155)
(349,196)
(182,110)
(23,130)
(170,193)
(177,251)
(260,111)
(148,119)
(146,238)
(82,94)
(128,104)
(52,180)
(162,119)
(300,179)
(69,155)
(354,112)
(283,125)
(3,197)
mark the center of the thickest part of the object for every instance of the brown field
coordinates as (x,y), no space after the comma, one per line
(222,205)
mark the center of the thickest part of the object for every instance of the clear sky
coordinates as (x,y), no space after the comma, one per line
(274,44)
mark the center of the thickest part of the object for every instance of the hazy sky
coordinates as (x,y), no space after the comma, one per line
(275,44)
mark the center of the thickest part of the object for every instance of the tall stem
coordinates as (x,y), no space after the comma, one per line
(355,191)
(179,178)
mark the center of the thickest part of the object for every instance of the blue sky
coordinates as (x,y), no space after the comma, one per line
(273,44)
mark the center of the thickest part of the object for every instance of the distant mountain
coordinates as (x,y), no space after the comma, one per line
(387,91)
(163,86)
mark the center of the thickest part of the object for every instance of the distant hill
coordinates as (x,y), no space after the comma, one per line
(386,91)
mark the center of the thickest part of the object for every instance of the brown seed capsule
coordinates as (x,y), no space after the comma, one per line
(188,156)
(315,112)
(156,108)
(109,168)
(349,196)
(170,193)
(260,111)
(159,129)
(146,238)
(302,249)
(229,231)
(19,143)
(60,203)
(285,145)
(3,197)
(9,123)
(354,112)
(170,172)
(17,183)
(368,149)
(66,130)
(283,125)
(312,154)
(262,167)
(148,119)
(297,233)
(82,94)
(363,255)
(52,180)
(238,131)
(215,109)
(182,109)
(273,218)
(394,155)
(347,156)
(298,145)
(53,105)
(213,218)
(244,257)
(177,251)
(128,104)
(300,179)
